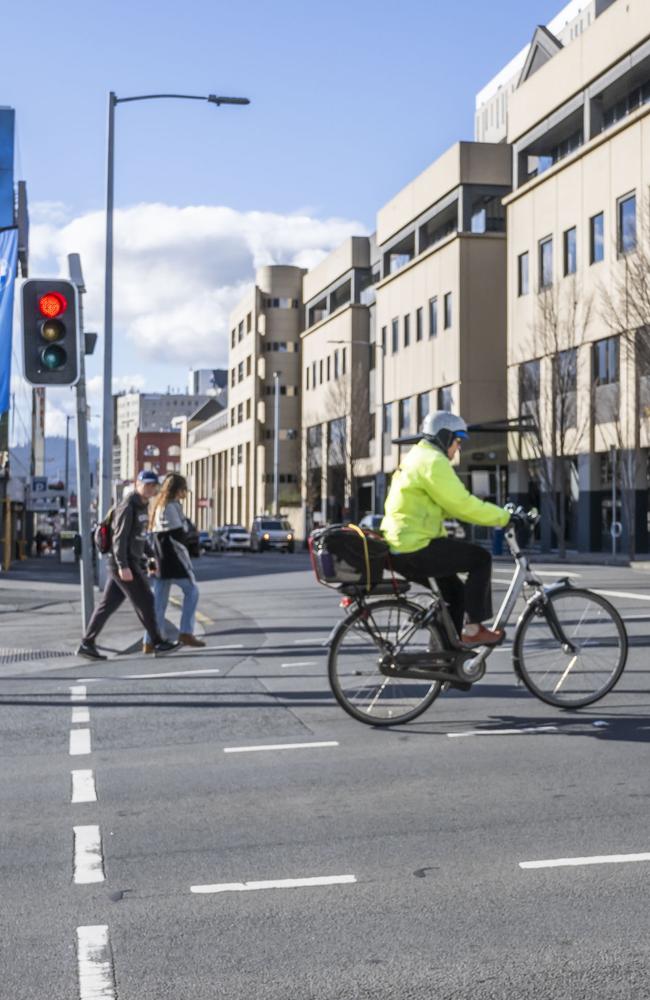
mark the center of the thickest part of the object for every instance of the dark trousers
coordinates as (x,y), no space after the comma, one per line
(442,559)
(138,592)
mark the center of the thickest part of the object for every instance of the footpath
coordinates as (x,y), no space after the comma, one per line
(40,616)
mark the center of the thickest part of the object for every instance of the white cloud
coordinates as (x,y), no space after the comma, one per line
(178,272)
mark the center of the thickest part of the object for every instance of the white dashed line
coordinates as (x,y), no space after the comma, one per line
(599,859)
(624,594)
(171,673)
(95,964)
(88,863)
(281,746)
(298,663)
(80,714)
(83,787)
(79,742)
(504,732)
(310,642)
(234,645)
(78,692)
(283,883)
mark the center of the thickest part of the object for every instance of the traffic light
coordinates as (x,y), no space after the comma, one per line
(50,325)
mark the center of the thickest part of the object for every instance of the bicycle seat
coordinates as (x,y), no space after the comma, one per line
(377,589)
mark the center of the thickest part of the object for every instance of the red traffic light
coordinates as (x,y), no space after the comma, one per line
(52,304)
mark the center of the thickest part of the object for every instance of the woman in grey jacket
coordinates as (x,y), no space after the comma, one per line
(170,532)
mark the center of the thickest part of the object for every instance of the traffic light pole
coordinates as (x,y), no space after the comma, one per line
(83,471)
(106,490)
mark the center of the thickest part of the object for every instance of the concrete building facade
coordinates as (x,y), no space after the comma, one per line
(145,412)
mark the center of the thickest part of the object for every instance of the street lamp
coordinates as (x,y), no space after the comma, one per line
(276,440)
(378,345)
(107,408)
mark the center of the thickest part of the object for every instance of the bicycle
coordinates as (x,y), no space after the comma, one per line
(390,658)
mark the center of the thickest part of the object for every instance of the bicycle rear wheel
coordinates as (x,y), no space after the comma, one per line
(576,675)
(355,678)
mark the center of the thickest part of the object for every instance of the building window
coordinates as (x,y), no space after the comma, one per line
(407,330)
(529,385)
(343,361)
(233,337)
(418,324)
(240,371)
(232,417)
(313,375)
(596,238)
(565,372)
(336,364)
(405,416)
(240,331)
(249,322)
(233,377)
(570,251)
(249,364)
(307,376)
(394,326)
(320,372)
(151,451)
(240,413)
(384,338)
(446,398)
(433,316)
(522,274)
(546,263)
(240,454)
(248,409)
(448,310)
(605,369)
(328,367)
(423,405)
(626,215)
(388,418)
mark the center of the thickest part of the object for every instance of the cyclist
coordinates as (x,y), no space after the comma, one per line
(423,492)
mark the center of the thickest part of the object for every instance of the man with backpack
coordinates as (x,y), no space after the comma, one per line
(127,568)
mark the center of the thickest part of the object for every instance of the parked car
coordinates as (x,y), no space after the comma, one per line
(217,536)
(205,541)
(235,538)
(271,533)
(371,521)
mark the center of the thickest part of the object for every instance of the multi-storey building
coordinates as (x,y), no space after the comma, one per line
(145,412)
(336,360)
(207,381)
(579,127)
(230,460)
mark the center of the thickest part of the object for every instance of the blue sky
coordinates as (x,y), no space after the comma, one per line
(349,102)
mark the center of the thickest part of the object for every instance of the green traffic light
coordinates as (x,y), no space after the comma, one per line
(54,357)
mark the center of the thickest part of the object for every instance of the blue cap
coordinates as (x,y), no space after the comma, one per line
(147,476)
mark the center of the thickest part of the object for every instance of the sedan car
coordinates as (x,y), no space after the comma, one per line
(205,541)
(272,533)
(235,538)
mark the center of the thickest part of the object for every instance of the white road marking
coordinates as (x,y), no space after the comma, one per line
(624,594)
(602,859)
(79,742)
(282,883)
(77,692)
(310,642)
(281,746)
(88,863)
(83,787)
(80,714)
(95,964)
(171,673)
(232,645)
(298,663)
(504,732)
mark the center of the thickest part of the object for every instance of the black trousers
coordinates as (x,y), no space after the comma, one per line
(442,559)
(140,595)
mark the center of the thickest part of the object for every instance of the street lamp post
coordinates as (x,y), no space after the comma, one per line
(105,498)
(67,468)
(377,344)
(276,441)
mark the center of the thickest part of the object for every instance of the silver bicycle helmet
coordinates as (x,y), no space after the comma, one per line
(442,427)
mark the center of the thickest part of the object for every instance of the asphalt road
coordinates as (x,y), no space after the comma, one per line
(414,838)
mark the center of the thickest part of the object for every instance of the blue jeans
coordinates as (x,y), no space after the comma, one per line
(161,590)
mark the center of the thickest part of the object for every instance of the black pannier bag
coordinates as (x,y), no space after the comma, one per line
(347,554)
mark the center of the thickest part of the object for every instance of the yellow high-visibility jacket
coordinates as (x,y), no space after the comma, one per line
(424,491)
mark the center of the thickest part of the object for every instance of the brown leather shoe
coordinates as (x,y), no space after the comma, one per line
(147,647)
(187,639)
(484,637)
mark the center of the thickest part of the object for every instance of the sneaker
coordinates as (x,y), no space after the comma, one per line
(483,637)
(187,639)
(88,649)
(148,647)
(165,646)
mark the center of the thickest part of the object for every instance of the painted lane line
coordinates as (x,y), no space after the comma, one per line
(171,673)
(83,787)
(80,714)
(79,742)
(504,732)
(281,746)
(602,859)
(78,692)
(624,594)
(95,964)
(88,863)
(232,645)
(298,663)
(310,642)
(282,883)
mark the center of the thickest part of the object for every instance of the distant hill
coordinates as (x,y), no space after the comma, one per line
(54,459)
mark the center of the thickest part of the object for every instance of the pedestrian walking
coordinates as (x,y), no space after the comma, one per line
(127,569)
(171,533)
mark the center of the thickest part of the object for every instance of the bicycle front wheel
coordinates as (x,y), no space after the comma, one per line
(355,678)
(584,668)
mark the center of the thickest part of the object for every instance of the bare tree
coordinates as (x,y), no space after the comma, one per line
(348,427)
(548,394)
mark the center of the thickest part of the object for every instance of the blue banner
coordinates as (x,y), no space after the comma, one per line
(8,262)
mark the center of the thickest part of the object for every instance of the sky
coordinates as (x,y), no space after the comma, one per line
(349,102)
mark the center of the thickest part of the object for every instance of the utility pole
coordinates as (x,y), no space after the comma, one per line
(67,469)
(83,471)
(276,443)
